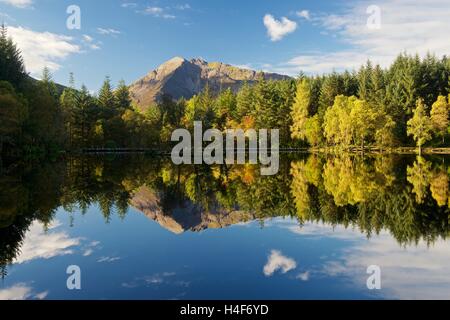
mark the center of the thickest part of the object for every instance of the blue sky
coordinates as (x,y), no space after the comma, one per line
(128,38)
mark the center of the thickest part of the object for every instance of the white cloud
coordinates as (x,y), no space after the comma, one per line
(108,259)
(303,276)
(94,47)
(156,279)
(90,42)
(21,291)
(168,16)
(319,230)
(88,252)
(154,10)
(183,7)
(415,272)
(276,262)
(129,5)
(41,49)
(18,3)
(158,12)
(108,31)
(87,38)
(41,245)
(278,29)
(303,14)
(406,25)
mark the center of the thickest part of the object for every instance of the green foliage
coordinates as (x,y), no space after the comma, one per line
(313,131)
(12,114)
(12,68)
(122,96)
(300,109)
(379,193)
(420,126)
(370,106)
(440,116)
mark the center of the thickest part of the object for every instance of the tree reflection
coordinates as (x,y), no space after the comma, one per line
(407,197)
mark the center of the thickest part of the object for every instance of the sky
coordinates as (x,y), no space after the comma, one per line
(125,39)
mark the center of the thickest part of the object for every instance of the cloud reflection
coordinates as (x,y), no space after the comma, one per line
(277,261)
(39,244)
(21,291)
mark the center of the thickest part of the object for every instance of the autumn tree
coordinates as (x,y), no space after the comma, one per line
(299,110)
(419,176)
(439,117)
(313,131)
(337,121)
(224,108)
(420,126)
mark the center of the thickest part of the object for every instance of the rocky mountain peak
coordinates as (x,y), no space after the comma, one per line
(181,78)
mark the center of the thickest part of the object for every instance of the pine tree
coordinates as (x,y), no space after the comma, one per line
(68,101)
(365,85)
(84,116)
(12,67)
(106,96)
(48,83)
(378,94)
(244,102)
(331,87)
(122,95)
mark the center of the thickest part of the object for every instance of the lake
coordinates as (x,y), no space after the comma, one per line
(139,227)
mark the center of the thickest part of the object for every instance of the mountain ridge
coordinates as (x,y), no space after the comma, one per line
(182,78)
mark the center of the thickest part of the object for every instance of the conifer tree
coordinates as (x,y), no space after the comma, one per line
(12,67)
(122,95)
(105,96)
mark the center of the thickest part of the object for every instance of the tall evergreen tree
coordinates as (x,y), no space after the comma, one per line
(12,67)
(106,96)
(332,86)
(365,85)
(122,95)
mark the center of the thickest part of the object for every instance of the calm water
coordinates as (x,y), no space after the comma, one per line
(142,228)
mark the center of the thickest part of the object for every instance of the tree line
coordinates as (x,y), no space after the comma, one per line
(402,105)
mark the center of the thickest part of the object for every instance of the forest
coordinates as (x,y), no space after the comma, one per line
(404,105)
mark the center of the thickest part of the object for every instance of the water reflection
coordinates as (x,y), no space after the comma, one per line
(403,197)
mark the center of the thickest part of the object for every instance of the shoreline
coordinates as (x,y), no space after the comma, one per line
(351,150)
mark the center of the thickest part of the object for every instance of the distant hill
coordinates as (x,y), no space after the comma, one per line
(179,78)
(59,87)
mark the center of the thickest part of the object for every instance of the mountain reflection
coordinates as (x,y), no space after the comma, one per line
(406,196)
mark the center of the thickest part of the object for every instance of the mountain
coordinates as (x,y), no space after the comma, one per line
(186,216)
(179,78)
